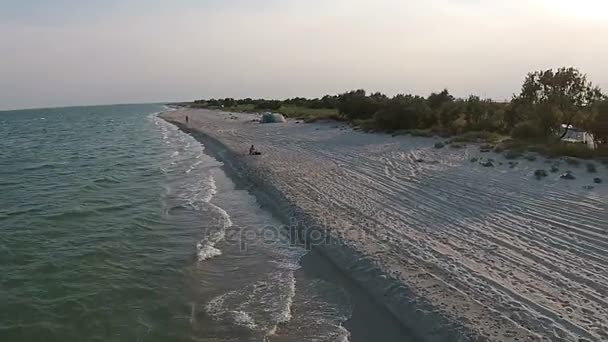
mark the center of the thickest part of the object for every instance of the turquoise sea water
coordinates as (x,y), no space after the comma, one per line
(116,226)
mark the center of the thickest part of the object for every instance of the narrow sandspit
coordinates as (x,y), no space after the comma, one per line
(455,250)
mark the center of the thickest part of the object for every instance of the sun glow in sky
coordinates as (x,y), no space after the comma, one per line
(584,9)
(71,52)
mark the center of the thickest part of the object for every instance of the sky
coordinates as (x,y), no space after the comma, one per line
(79,52)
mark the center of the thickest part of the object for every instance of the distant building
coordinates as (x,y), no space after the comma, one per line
(577,136)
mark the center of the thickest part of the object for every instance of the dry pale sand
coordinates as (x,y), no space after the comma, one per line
(494,252)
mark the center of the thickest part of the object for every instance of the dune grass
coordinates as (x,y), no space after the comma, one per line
(294,112)
(554,149)
(479,137)
(310,114)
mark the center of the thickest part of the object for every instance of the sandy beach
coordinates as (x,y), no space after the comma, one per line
(453,249)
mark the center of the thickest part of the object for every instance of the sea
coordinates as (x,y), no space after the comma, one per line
(117,226)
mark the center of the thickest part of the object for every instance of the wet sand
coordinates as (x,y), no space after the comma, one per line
(454,250)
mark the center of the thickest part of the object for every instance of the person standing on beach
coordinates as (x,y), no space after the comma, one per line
(187,119)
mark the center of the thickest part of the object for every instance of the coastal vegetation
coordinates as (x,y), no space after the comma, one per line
(539,118)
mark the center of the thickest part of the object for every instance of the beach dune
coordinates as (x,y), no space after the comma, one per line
(455,250)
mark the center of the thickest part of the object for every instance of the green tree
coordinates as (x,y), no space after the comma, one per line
(437,100)
(547,117)
(599,123)
(449,112)
(516,112)
(474,111)
(357,105)
(567,91)
(402,112)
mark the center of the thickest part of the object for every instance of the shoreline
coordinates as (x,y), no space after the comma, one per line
(412,313)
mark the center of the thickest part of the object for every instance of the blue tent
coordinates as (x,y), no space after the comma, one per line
(272,118)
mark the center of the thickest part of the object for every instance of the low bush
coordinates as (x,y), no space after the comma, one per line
(512,154)
(526,130)
(567,150)
(268,105)
(486,148)
(421,133)
(572,162)
(365,124)
(540,174)
(487,163)
(315,118)
(530,157)
(568,175)
(479,137)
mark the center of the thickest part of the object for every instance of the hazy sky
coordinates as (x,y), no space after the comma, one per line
(69,52)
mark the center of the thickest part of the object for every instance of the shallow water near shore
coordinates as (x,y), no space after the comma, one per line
(117,226)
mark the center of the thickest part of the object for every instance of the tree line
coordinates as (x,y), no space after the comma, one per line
(548,99)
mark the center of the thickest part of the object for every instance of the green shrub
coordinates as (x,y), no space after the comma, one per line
(568,150)
(439,145)
(487,163)
(526,130)
(572,162)
(358,105)
(540,174)
(512,154)
(479,136)
(401,112)
(421,133)
(319,117)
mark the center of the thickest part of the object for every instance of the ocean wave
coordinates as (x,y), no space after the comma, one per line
(76,213)
(106,180)
(206,248)
(243,319)
(261,306)
(193,166)
(18,212)
(198,187)
(36,167)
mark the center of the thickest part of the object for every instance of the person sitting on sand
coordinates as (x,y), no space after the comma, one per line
(253,152)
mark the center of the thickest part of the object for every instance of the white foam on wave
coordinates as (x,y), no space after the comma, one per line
(193,166)
(200,186)
(261,306)
(288,279)
(210,190)
(206,248)
(244,319)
